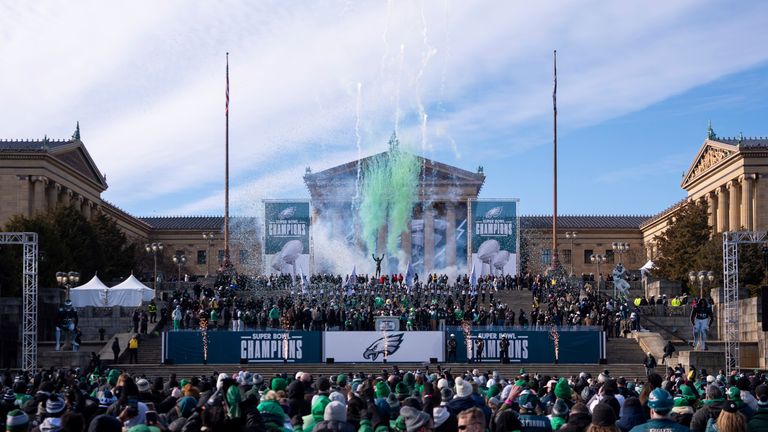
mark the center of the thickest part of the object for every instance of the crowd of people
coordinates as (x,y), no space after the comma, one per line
(335,302)
(393,400)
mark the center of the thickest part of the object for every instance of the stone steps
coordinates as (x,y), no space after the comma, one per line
(629,371)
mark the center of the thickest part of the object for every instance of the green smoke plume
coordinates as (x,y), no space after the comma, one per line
(390,184)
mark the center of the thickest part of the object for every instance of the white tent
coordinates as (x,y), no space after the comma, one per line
(93,293)
(130,293)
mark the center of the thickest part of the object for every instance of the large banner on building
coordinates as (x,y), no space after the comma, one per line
(527,346)
(226,347)
(495,233)
(286,236)
(395,346)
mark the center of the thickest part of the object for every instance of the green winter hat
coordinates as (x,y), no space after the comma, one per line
(382,389)
(734,394)
(409,379)
(402,390)
(112,377)
(233,401)
(183,382)
(341,380)
(563,390)
(279,383)
(399,424)
(493,390)
(521,383)
(681,402)
(688,393)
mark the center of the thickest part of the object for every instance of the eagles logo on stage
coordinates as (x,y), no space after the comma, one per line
(385,346)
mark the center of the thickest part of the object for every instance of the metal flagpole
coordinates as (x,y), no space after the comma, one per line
(554,171)
(226,174)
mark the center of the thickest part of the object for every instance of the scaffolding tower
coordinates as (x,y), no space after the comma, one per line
(730,306)
(28,241)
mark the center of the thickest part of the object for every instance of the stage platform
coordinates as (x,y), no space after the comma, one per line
(629,371)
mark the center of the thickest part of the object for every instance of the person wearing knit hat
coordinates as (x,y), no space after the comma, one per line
(563,390)
(463,388)
(446,394)
(381,390)
(734,394)
(416,420)
(603,418)
(529,413)
(317,413)
(682,411)
(17,421)
(279,383)
(493,391)
(402,391)
(334,419)
(559,414)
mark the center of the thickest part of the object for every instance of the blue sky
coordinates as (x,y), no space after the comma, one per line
(466,83)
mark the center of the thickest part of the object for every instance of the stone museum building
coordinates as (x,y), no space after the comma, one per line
(729,174)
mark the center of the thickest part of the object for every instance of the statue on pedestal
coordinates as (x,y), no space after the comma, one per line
(66,321)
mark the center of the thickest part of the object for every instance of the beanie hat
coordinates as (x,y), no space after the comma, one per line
(714,392)
(279,383)
(382,389)
(603,415)
(443,383)
(463,388)
(688,393)
(143,385)
(493,391)
(680,402)
(9,396)
(54,405)
(414,419)
(446,395)
(734,394)
(730,406)
(560,408)
(563,390)
(183,382)
(439,416)
(341,380)
(338,397)
(335,411)
(106,399)
(402,391)
(17,420)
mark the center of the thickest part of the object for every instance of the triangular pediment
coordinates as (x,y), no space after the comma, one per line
(76,157)
(436,170)
(711,154)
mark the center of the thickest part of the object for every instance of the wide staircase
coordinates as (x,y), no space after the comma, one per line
(629,371)
(516,300)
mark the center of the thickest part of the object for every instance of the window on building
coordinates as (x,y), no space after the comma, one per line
(546,256)
(609,256)
(566,256)
(245,256)
(201,257)
(588,256)
(221,256)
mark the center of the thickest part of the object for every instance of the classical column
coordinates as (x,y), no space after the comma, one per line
(429,238)
(406,244)
(450,234)
(747,183)
(734,212)
(67,195)
(87,209)
(38,193)
(722,209)
(712,213)
(53,195)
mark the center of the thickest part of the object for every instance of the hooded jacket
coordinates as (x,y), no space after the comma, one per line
(700,417)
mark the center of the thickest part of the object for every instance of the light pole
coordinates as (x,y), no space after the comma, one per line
(153,249)
(67,280)
(571,235)
(701,276)
(210,237)
(179,260)
(620,247)
(598,259)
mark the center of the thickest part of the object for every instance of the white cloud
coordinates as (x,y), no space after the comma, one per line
(146,79)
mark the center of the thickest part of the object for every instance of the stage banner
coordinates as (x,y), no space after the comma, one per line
(286,236)
(228,347)
(370,346)
(495,233)
(528,346)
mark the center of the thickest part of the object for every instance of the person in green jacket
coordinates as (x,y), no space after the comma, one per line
(274,317)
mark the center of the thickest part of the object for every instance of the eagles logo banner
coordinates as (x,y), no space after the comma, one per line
(375,346)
